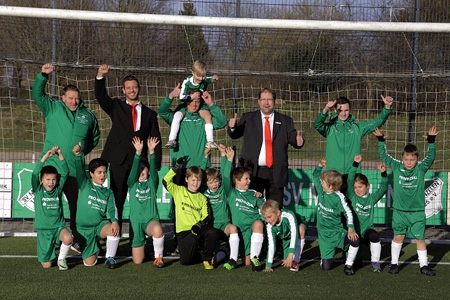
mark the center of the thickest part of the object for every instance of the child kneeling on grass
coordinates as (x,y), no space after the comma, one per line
(96,211)
(331,234)
(49,218)
(144,217)
(282,223)
(191,218)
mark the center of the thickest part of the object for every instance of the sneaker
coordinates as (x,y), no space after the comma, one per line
(393,269)
(256,265)
(427,271)
(294,267)
(171,144)
(76,247)
(376,268)
(111,263)
(230,265)
(212,145)
(159,263)
(208,265)
(62,264)
(348,270)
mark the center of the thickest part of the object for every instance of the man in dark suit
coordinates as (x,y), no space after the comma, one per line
(267,135)
(119,150)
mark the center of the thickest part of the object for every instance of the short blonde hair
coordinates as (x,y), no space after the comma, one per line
(269,206)
(194,171)
(333,178)
(199,68)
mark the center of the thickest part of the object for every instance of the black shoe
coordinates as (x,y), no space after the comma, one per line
(427,271)
(393,269)
(348,270)
(256,265)
(111,263)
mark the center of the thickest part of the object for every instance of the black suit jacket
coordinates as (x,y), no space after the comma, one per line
(119,148)
(283,134)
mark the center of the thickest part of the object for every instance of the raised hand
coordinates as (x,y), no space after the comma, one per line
(378,132)
(432,131)
(232,121)
(47,68)
(152,143)
(358,158)
(299,138)
(138,144)
(328,106)
(215,78)
(323,162)
(77,149)
(229,152)
(207,98)
(207,152)
(388,100)
(102,70)
(381,168)
(176,91)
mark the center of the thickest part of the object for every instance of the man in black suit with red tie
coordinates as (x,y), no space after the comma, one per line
(129,118)
(267,135)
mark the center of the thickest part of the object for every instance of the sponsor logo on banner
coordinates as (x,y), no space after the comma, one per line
(25,194)
(433,201)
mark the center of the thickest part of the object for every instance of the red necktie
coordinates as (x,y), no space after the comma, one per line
(133,115)
(268,139)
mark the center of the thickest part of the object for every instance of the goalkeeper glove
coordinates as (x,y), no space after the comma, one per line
(196,229)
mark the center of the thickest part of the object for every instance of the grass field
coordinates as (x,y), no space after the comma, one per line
(22,277)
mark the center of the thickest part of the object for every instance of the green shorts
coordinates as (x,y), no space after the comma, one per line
(409,223)
(46,240)
(221,226)
(88,237)
(138,238)
(330,240)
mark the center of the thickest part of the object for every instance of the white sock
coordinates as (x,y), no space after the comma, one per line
(209,130)
(423,257)
(112,243)
(234,246)
(158,246)
(375,252)
(63,250)
(395,252)
(352,251)
(299,250)
(175,126)
(256,242)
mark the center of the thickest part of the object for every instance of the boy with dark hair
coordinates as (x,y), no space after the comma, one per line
(408,218)
(191,217)
(144,217)
(244,207)
(331,204)
(97,214)
(49,217)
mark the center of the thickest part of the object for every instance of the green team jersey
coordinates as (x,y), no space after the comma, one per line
(218,200)
(64,128)
(191,136)
(188,84)
(364,206)
(190,208)
(143,206)
(286,229)
(244,208)
(48,205)
(409,185)
(95,202)
(330,206)
(344,138)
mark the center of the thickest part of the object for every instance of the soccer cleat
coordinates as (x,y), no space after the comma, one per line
(111,263)
(230,265)
(427,271)
(208,265)
(348,270)
(159,263)
(256,265)
(171,144)
(294,267)
(62,264)
(376,268)
(211,145)
(394,269)
(75,247)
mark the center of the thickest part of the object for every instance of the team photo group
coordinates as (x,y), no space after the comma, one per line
(239,204)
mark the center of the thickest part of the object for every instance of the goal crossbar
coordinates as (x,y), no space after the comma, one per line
(104,16)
